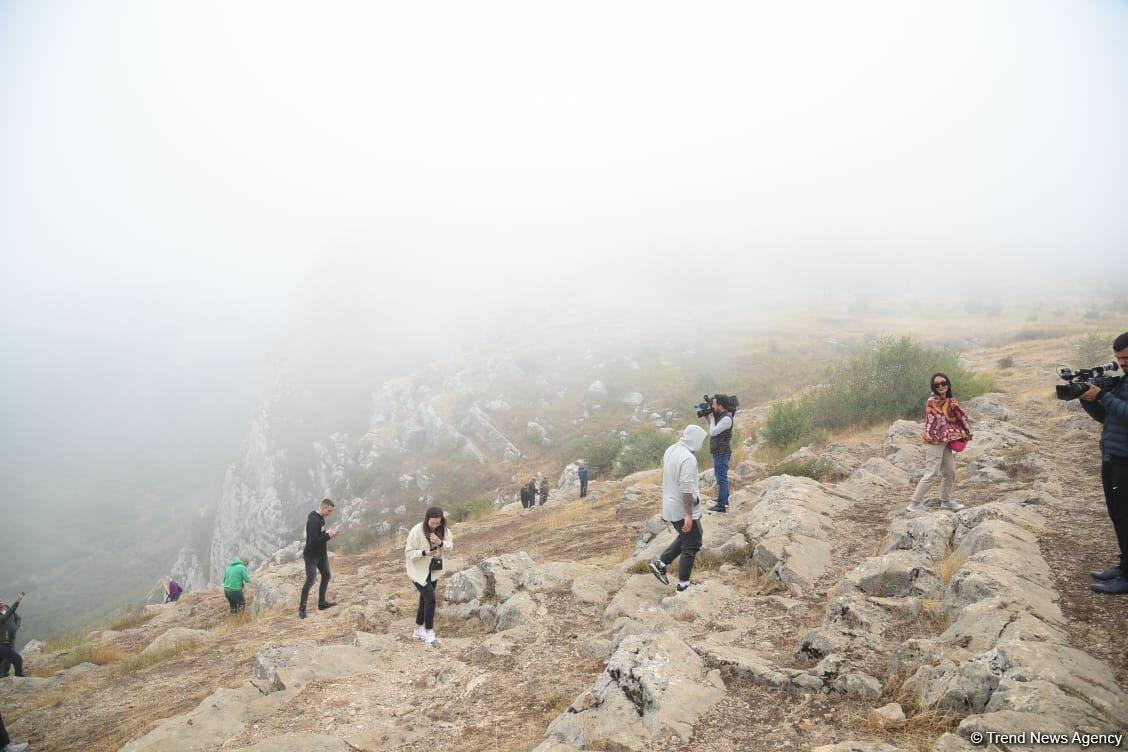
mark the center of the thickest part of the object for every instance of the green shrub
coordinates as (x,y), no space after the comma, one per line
(641,450)
(1007,362)
(887,382)
(598,453)
(818,469)
(1092,349)
(465,510)
(789,425)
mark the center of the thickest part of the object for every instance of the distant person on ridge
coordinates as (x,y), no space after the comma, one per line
(681,506)
(423,555)
(946,429)
(316,556)
(6,744)
(172,591)
(9,625)
(233,580)
(525,496)
(582,472)
(543,491)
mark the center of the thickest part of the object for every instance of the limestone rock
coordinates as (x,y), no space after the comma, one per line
(988,406)
(299,743)
(174,638)
(875,475)
(652,688)
(929,534)
(276,587)
(858,684)
(518,610)
(889,716)
(898,573)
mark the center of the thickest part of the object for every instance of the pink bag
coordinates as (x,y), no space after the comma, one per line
(957,445)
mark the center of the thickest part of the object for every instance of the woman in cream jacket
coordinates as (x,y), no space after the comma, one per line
(423,554)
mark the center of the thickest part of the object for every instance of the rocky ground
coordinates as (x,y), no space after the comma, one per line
(823,615)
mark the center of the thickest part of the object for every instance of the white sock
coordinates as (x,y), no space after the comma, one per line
(683,583)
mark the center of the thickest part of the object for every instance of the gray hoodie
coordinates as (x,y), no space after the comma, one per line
(679,475)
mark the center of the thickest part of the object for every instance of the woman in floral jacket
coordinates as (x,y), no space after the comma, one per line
(946,426)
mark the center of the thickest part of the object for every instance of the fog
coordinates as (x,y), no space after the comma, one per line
(192,194)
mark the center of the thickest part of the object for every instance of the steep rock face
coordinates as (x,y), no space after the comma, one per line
(188,571)
(251,518)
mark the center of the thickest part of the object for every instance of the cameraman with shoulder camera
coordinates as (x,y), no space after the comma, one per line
(720,446)
(1109,406)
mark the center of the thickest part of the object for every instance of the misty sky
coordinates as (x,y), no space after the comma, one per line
(182,185)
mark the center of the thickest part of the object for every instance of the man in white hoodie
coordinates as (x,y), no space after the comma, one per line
(681,506)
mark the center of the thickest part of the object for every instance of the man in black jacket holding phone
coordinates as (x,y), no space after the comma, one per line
(317,556)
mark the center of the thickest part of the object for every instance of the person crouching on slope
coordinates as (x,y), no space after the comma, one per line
(423,557)
(234,579)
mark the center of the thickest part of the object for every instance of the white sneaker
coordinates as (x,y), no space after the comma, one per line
(916,508)
(429,636)
(952,505)
(419,633)
(15,747)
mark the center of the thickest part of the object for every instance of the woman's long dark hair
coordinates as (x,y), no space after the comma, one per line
(932,384)
(441,529)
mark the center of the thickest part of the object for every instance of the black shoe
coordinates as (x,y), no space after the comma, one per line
(1119,586)
(1108,574)
(717,508)
(302,612)
(323,606)
(682,588)
(659,570)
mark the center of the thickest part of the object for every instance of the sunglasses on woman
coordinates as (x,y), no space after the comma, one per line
(940,383)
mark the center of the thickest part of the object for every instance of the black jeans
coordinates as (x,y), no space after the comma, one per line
(686,545)
(1114,478)
(9,657)
(235,600)
(313,566)
(5,740)
(425,614)
(583,487)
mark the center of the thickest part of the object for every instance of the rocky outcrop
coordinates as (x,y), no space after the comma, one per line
(177,637)
(653,687)
(477,424)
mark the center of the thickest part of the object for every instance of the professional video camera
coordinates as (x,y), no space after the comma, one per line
(728,401)
(1080,380)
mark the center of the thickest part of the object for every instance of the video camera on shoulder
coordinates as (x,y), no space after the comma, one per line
(728,402)
(1079,381)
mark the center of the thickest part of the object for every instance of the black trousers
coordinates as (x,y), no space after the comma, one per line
(315,564)
(686,546)
(5,740)
(1114,478)
(583,487)
(235,600)
(9,657)
(425,614)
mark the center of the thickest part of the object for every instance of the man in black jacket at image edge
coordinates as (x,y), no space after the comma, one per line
(1110,409)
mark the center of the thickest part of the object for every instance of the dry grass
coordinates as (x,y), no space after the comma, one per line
(707,560)
(129,620)
(948,565)
(140,662)
(919,731)
(99,655)
(451,626)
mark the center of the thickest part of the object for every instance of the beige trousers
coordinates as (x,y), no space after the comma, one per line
(938,459)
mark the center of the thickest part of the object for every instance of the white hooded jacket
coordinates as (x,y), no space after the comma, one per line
(679,475)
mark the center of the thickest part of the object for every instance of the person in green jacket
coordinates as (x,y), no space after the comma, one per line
(233,580)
